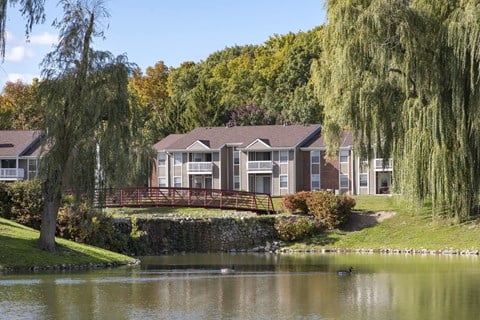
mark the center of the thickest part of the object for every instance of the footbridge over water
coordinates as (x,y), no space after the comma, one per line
(185,197)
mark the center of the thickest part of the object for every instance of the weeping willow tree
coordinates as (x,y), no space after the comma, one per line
(404,74)
(31,10)
(87,112)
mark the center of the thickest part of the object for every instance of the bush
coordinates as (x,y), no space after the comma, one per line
(90,226)
(296,202)
(295,228)
(328,209)
(5,201)
(26,202)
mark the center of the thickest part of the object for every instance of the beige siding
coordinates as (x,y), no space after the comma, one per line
(216,178)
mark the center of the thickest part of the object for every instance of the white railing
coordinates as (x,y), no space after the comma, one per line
(12,173)
(379,165)
(200,167)
(259,166)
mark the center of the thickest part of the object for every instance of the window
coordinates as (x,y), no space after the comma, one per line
(177,182)
(343,181)
(8,164)
(363,179)
(283,181)
(284,156)
(162,182)
(315,157)
(363,166)
(236,157)
(259,156)
(343,156)
(200,157)
(177,159)
(32,168)
(162,159)
(236,182)
(315,182)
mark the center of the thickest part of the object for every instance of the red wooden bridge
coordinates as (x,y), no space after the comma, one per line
(185,197)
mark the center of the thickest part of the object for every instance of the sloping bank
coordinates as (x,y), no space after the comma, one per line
(18,252)
(368,232)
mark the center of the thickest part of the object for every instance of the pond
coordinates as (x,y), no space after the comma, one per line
(264,286)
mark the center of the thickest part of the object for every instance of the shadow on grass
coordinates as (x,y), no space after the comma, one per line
(322,239)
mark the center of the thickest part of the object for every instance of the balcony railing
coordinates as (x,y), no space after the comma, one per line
(12,174)
(379,165)
(200,168)
(260,166)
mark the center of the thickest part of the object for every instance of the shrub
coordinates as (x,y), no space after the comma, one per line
(5,201)
(26,202)
(296,202)
(328,209)
(294,228)
(90,226)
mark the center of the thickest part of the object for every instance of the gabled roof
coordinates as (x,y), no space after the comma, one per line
(277,136)
(318,142)
(17,143)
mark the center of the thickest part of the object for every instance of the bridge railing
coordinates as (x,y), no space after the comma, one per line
(184,197)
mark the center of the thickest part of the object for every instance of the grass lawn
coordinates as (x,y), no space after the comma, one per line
(410,228)
(18,250)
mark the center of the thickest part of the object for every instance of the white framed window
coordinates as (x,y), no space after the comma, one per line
(344,181)
(162,182)
(315,157)
(32,168)
(177,158)
(162,159)
(283,181)
(283,156)
(236,182)
(363,179)
(177,182)
(315,182)
(343,156)
(236,157)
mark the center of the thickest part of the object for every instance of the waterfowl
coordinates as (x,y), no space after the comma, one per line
(227,270)
(345,272)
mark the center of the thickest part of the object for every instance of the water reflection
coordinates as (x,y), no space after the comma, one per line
(264,286)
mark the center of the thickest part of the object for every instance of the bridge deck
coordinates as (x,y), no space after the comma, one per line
(185,197)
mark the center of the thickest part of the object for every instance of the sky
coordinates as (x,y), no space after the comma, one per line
(172,31)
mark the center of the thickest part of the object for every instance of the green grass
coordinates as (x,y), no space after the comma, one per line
(18,250)
(410,228)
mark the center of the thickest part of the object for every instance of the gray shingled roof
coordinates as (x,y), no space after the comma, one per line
(318,142)
(276,136)
(15,143)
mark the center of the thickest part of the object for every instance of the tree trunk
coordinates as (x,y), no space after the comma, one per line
(49,218)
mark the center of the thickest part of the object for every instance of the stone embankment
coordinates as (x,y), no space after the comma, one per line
(212,234)
(240,233)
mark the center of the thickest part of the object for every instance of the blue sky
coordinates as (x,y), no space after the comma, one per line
(172,31)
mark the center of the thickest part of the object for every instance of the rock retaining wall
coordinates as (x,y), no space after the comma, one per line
(167,235)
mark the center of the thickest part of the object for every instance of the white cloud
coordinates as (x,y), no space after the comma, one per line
(14,77)
(45,38)
(18,54)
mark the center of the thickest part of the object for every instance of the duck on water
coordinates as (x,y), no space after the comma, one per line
(345,272)
(228,270)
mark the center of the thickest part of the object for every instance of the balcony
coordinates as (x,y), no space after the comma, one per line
(379,165)
(200,168)
(260,166)
(11,174)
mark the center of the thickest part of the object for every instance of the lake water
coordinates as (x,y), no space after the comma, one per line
(264,286)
